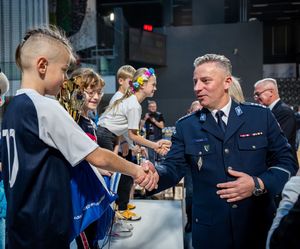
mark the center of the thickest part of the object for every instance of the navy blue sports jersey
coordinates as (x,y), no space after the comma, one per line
(88,126)
(40,142)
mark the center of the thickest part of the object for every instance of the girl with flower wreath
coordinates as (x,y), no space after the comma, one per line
(125,114)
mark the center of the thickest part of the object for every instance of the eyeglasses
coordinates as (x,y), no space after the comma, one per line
(257,94)
(93,93)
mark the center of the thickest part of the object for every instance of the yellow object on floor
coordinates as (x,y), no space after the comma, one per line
(130,206)
(128,215)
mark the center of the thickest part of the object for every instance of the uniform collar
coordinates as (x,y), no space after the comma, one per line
(225,109)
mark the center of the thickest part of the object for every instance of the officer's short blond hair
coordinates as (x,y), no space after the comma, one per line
(221,60)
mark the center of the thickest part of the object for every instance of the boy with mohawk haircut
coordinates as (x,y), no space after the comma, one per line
(40,142)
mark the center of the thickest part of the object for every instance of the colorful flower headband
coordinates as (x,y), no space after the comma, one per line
(140,80)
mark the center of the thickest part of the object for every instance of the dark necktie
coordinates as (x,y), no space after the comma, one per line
(221,123)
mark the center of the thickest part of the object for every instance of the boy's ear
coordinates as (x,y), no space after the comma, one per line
(42,64)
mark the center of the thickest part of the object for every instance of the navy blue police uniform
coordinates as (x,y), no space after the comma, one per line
(254,144)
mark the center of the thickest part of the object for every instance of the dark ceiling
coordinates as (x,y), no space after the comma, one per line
(274,10)
(151,11)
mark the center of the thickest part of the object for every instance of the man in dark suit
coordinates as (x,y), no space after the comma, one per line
(266,93)
(238,164)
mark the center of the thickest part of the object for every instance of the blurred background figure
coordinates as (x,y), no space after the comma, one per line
(266,93)
(297,115)
(153,122)
(235,90)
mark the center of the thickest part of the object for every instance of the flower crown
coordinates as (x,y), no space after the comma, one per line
(140,80)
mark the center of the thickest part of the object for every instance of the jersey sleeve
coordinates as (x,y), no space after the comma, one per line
(60,131)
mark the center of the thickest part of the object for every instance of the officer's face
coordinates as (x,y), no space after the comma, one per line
(211,83)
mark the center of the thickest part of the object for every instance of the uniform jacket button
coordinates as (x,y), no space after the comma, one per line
(226,151)
(234,206)
(196,220)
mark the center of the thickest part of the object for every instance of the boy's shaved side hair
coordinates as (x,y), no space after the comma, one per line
(125,72)
(36,43)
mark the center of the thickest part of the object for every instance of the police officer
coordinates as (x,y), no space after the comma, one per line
(239,159)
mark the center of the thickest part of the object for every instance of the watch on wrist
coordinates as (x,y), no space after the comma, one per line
(257,189)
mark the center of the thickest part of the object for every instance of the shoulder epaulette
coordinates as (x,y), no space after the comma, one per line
(253,104)
(187,116)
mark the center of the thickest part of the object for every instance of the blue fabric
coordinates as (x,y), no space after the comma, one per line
(90,201)
(3,203)
(2,233)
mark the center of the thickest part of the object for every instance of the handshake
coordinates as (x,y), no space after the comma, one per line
(147,176)
(162,147)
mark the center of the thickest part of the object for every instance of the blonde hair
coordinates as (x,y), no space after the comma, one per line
(4,84)
(129,92)
(89,78)
(235,90)
(125,72)
(47,34)
(221,61)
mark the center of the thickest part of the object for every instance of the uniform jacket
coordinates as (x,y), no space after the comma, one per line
(287,121)
(254,144)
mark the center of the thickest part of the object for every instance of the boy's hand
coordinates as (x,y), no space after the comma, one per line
(145,178)
(148,165)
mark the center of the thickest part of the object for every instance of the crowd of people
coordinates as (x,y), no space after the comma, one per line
(68,178)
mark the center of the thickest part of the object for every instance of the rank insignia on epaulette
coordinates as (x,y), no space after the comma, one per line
(238,111)
(206,147)
(253,104)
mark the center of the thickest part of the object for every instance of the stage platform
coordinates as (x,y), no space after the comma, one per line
(161,226)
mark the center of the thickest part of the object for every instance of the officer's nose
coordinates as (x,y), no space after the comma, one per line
(198,86)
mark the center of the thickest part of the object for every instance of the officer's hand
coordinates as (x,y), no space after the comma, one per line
(163,147)
(236,190)
(152,168)
(145,178)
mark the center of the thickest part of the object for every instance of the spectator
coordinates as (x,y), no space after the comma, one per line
(266,93)
(153,122)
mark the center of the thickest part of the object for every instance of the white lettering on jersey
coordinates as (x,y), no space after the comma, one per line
(14,167)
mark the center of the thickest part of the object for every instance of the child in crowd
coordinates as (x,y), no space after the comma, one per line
(88,85)
(124,77)
(40,143)
(4,87)
(123,116)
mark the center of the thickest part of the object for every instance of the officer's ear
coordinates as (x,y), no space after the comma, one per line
(227,82)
